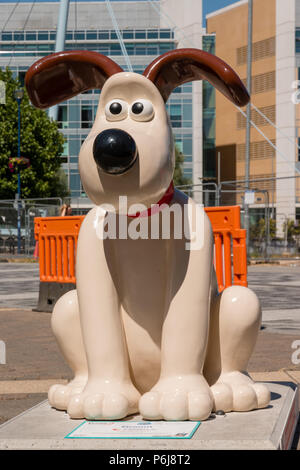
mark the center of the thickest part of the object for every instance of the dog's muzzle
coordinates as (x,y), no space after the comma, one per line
(114,151)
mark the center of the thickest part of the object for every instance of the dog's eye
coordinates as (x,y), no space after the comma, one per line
(141,110)
(116,110)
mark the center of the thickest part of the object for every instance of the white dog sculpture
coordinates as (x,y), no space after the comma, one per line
(146,329)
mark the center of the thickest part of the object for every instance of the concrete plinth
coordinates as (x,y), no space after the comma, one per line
(272,428)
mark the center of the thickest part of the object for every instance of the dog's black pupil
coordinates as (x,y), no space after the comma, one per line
(115,108)
(137,108)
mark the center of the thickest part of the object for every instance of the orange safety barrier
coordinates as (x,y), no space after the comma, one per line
(230,264)
(57,240)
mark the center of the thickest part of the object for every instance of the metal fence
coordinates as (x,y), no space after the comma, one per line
(29,209)
(265,241)
(269,238)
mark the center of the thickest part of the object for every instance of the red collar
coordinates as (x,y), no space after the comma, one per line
(155,208)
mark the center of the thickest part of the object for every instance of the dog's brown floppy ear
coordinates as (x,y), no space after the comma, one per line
(179,66)
(62,75)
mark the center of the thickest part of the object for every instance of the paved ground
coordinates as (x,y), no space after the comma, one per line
(278,288)
(19,285)
(34,361)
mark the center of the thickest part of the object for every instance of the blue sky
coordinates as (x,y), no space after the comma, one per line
(208,5)
(213,5)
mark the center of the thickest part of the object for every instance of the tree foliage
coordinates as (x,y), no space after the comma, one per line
(259,230)
(179,179)
(291,229)
(41,143)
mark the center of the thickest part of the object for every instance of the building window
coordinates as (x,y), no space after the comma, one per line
(43,36)
(209,95)
(175,115)
(127,34)
(21,77)
(208,43)
(152,35)
(79,34)
(6,36)
(297,39)
(91,35)
(140,50)
(30,35)
(179,144)
(86,116)
(62,117)
(103,35)
(164,34)
(184,143)
(140,34)
(75,185)
(65,152)
(44,47)
(19,36)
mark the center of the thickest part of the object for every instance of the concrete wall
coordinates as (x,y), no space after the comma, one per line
(44,15)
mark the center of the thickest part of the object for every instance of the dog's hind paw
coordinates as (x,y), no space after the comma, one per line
(235,391)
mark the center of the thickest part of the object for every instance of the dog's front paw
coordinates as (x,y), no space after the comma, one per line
(178,398)
(59,395)
(101,402)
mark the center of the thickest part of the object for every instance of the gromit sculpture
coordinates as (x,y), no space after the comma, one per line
(146,329)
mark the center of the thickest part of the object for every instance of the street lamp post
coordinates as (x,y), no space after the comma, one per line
(18,94)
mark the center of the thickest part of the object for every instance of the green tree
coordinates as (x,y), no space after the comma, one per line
(258,230)
(179,179)
(292,228)
(41,143)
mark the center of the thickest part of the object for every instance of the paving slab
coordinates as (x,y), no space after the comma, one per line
(274,376)
(294,374)
(272,428)
(27,386)
(19,285)
(285,321)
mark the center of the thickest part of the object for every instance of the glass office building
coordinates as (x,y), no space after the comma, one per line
(209,117)
(144,39)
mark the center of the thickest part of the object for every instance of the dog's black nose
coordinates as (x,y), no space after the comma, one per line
(114,151)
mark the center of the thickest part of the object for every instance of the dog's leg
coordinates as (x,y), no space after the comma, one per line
(235,322)
(182,392)
(65,325)
(109,393)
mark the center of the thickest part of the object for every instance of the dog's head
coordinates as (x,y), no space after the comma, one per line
(129,150)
